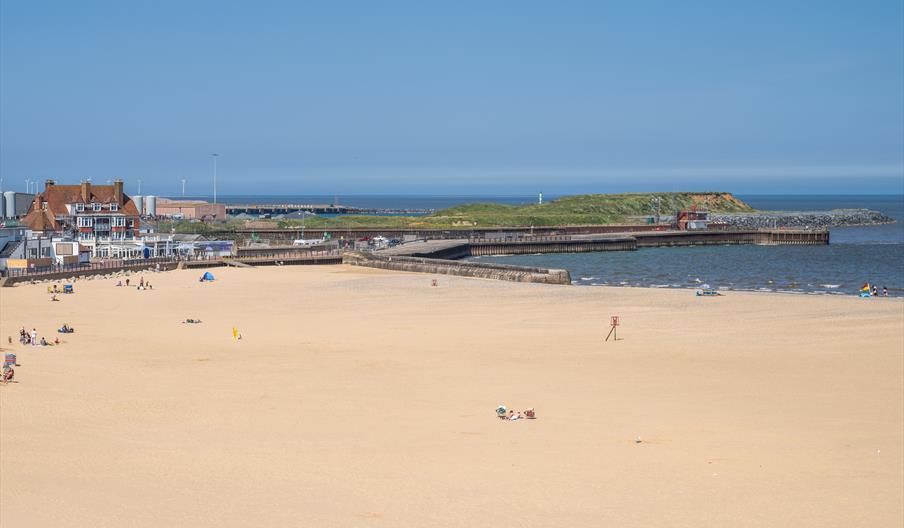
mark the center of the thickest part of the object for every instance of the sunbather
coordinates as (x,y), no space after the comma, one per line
(8,374)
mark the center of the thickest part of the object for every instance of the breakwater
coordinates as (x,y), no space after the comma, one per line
(462,269)
(480,246)
(803,220)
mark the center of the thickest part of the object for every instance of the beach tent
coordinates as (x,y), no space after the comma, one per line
(208,276)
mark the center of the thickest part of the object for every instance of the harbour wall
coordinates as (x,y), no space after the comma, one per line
(580,244)
(462,269)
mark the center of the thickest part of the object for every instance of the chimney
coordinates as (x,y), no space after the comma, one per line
(86,192)
(48,184)
(117,192)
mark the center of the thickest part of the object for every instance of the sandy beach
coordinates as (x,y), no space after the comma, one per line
(359,397)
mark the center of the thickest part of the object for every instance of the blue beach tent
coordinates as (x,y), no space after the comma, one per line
(208,276)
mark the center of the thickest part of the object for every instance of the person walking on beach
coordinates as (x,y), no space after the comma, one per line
(884,291)
(34,337)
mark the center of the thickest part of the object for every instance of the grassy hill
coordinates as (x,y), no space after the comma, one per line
(587,209)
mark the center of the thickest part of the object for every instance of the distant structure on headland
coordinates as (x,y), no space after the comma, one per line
(540,200)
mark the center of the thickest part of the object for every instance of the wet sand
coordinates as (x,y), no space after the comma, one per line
(365,398)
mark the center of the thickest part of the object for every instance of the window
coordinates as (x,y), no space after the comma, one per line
(114,207)
(97,206)
(85,221)
(119,221)
(45,252)
(32,253)
(80,207)
(86,236)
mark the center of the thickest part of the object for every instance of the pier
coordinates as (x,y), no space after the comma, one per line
(267,210)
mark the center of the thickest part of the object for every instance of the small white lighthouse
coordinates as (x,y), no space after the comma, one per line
(540,200)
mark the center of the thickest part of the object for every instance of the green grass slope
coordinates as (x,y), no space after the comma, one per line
(586,209)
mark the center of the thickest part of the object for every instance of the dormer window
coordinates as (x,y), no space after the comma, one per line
(114,207)
(97,207)
(80,207)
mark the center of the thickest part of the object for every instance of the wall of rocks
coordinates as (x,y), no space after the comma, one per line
(803,220)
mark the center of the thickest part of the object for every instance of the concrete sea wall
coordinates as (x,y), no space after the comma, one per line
(462,269)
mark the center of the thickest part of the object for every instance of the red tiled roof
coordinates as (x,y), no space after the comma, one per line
(40,220)
(57,197)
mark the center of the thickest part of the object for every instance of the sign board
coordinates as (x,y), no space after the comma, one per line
(613,325)
(64,249)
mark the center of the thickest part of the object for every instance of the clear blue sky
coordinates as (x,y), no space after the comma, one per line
(455,97)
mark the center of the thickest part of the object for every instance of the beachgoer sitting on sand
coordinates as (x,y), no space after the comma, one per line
(54,297)
(119,283)
(44,342)
(66,329)
(8,374)
(529,414)
(56,341)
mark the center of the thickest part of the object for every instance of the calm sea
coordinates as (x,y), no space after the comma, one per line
(855,255)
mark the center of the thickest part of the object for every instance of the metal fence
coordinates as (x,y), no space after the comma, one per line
(112,265)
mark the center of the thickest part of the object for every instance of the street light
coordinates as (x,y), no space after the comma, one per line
(215,156)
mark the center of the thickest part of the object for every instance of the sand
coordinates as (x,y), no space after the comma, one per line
(366,398)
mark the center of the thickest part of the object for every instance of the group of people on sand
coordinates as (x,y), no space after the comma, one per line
(31,338)
(142,285)
(510,414)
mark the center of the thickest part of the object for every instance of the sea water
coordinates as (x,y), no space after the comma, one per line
(856,255)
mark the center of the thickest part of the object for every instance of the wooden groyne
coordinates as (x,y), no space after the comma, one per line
(478,247)
(462,269)
(761,237)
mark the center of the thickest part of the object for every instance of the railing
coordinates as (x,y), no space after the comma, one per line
(519,238)
(262,254)
(113,264)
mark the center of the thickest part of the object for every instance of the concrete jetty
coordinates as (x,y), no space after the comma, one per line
(481,246)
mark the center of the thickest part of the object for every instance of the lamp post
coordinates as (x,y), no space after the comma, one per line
(215,156)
